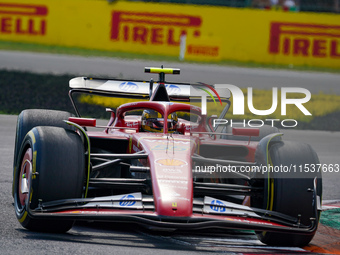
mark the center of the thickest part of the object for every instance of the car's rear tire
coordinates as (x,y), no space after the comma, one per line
(29,119)
(264,131)
(58,156)
(290,193)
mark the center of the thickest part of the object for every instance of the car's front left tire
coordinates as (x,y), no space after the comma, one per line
(51,166)
(31,118)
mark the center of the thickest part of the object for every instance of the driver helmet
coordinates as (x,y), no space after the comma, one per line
(153,121)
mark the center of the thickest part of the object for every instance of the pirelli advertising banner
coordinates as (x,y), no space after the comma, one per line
(207,33)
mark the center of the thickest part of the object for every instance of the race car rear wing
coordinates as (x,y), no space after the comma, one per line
(129,89)
(139,89)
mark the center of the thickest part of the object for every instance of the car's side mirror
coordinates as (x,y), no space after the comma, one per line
(246,131)
(84,122)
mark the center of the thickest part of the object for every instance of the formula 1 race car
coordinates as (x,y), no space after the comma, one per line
(160,162)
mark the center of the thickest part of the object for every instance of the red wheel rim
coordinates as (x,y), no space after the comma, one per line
(25,169)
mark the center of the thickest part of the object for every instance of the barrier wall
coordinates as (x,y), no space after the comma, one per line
(211,33)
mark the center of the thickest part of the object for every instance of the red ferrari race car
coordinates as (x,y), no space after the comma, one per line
(160,162)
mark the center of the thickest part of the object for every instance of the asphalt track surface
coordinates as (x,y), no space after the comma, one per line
(130,239)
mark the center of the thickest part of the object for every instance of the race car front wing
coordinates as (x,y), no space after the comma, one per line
(207,213)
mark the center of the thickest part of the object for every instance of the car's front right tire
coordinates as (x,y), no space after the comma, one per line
(291,193)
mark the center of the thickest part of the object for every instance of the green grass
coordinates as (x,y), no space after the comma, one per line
(31,47)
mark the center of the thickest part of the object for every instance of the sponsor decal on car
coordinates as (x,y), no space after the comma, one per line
(173,181)
(171,162)
(217,206)
(213,205)
(172,89)
(172,170)
(163,147)
(174,194)
(127,200)
(132,200)
(128,86)
(173,177)
(177,187)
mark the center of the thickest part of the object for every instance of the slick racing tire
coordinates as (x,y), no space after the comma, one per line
(29,119)
(264,131)
(51,166)
(290,193)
